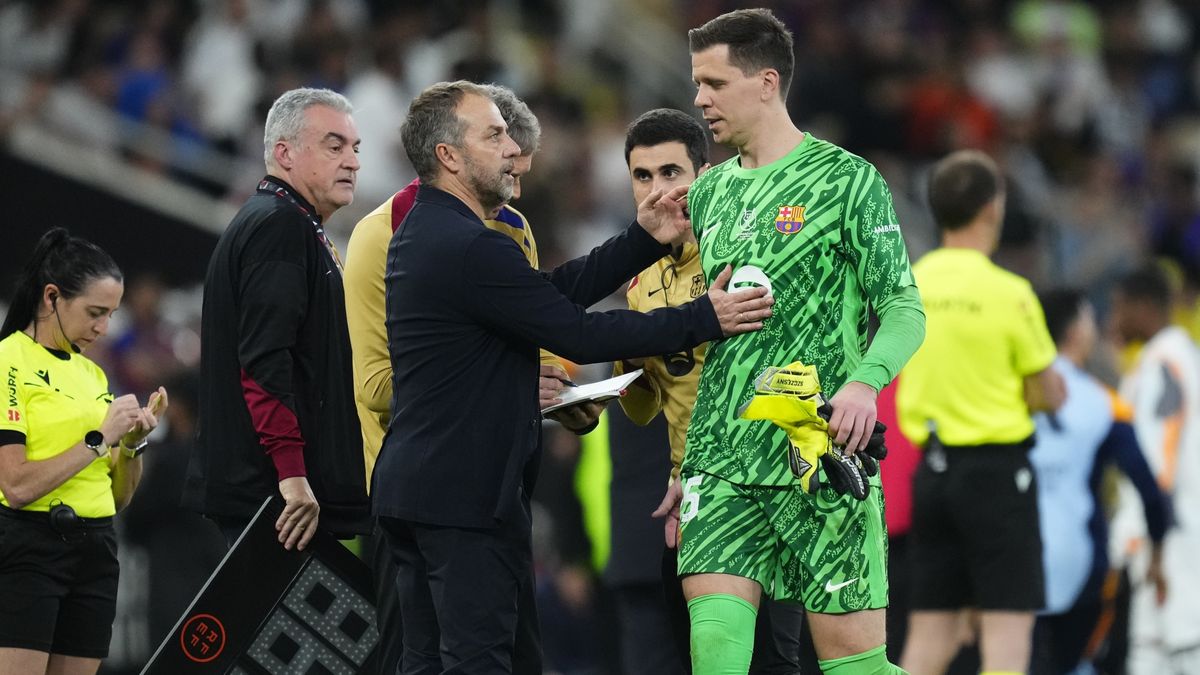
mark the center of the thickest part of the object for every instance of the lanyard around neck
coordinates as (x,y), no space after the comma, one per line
(278,191)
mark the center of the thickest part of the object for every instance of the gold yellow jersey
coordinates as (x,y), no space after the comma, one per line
(669,381)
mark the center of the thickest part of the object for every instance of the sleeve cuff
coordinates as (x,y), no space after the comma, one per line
(289,462)
(11,437)
(640,238)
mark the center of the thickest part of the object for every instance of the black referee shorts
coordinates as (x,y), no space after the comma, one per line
(58,591)
(975,539)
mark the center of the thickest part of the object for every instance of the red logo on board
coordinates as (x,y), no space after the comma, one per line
(202,638)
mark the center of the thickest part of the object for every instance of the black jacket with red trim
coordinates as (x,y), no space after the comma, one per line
(276,392)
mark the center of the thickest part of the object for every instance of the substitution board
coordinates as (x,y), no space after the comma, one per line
(269,611)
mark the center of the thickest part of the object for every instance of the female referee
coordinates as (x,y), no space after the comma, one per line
(70,458)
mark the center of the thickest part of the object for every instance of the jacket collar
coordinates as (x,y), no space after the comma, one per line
(274,185)
(428,193)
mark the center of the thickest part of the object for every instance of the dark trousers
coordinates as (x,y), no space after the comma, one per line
(647,645)
(231,527)
(460,589)
(1060,641)
(777,630)
(386,659)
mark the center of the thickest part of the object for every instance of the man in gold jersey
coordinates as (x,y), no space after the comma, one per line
(366,261)
(664,149)
(966,397)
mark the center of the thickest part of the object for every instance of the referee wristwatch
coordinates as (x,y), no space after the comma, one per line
(136,450)
(94,440)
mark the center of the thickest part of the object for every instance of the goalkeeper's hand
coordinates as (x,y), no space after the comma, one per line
(849,474)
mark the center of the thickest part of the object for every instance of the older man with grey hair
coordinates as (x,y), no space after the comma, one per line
(465,317)
(276,399)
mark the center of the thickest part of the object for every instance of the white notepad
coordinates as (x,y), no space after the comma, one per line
(599,392)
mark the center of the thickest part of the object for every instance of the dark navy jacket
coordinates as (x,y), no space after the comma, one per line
(465,317)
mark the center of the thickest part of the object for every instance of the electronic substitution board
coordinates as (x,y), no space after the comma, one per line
(269,611)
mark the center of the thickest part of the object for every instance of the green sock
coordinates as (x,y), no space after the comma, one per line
(722,634)
(870,662)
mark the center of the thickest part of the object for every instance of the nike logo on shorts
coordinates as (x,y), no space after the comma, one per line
(831,587)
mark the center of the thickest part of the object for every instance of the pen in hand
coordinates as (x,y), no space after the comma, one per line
(567,382)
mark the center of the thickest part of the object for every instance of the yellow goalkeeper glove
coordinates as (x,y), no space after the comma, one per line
(807,432)
(790,397)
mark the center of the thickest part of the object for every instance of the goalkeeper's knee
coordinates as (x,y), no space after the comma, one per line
(870,662)
(722,634)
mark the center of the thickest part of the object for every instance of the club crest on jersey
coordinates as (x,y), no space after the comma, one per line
(790,219)
(698,286)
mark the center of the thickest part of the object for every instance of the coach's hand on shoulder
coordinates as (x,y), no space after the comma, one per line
(298,522)
(663,215)
(739,311)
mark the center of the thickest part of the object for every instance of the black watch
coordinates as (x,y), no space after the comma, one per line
(94,440)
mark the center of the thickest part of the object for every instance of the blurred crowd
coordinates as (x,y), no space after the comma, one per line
(1091,108)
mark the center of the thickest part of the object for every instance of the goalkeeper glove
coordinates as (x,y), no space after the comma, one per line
(807,432)
(790,397)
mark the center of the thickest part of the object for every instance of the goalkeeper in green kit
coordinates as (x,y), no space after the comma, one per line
(780,489)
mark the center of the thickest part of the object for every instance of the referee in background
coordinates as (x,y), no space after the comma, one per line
(966,397)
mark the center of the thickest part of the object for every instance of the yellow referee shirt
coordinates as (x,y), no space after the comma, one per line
(51,400)
(984,333)
(669,382)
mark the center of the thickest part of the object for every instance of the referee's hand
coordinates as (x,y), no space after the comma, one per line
(298,522)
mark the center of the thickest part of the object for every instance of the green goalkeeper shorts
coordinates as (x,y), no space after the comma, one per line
(823,550)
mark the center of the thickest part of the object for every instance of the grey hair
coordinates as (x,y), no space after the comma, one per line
(433,119)
(285,120)
(522,124)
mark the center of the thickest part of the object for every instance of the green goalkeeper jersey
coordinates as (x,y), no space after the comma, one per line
(817,227)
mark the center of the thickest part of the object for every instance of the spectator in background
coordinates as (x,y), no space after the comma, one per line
(1164,389)
(219,70)
(276,388)
(378,93)
(1075,445)
(145,351)
(896,480)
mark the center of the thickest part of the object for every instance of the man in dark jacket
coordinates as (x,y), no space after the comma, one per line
(465,317)
(276,401)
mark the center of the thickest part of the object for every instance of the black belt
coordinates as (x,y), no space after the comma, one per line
(1020,446)
(43,517)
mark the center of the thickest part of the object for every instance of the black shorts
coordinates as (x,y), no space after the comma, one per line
(975,539)
(58,592)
